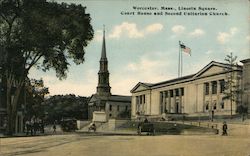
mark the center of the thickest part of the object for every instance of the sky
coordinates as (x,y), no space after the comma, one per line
(143,47)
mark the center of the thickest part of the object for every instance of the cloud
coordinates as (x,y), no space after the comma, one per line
(224,37)
(248,38)
(154,28)
(197,33)
(150,67)
(131,31)
(126,28)
(145,64)
(209,52)
(70,86)
(178,29)
(98,36)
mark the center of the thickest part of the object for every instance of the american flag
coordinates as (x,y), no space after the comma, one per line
(185,49)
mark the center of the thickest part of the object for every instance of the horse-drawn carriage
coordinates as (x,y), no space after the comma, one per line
(146,127)
(69,124)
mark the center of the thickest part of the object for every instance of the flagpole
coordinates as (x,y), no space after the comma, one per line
(181,64)
(179,58)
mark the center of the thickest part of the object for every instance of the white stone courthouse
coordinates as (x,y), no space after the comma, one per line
(199,94)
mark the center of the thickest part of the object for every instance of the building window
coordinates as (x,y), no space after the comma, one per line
(215,105)
(143,97)
(206,88)
(110,115)
(214,87)
(118,108)
(222,86)
(182,91)
(126,108)
(207,105)
(110,107)
(222,105)
(176,92)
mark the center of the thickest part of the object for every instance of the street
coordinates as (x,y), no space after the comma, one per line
(164,145)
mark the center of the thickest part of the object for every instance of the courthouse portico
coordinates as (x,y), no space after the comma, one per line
(197,94)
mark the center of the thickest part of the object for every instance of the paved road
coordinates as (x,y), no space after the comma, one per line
(167,145)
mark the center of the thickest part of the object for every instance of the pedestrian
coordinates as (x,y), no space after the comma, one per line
(224,128)
(32,121)
(42,126)
(54,127)
(27,126)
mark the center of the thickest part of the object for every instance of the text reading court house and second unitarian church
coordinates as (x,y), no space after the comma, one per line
(174,11)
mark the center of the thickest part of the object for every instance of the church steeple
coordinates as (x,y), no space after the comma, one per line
(103,87)
(103,56)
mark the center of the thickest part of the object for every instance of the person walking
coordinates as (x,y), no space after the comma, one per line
(27,126)
(224,128)
(54,127)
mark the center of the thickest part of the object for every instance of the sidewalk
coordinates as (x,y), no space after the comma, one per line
(107,132)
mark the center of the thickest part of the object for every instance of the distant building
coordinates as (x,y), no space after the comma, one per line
(246,83)
(115,106)
(201,93)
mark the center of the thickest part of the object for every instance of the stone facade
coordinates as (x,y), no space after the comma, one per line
(197,94)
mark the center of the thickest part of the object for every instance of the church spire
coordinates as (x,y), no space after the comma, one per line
(103,88)
(103,56)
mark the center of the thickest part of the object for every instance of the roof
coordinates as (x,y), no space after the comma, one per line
(184,78)
(112,98)
(120,98)
(245,61)
(174,80)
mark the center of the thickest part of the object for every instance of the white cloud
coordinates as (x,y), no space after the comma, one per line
(145,64)
(233,30)
(197,33)
(130,30)
(209,52)
(178,29)
(248,38)
(154,28)
(149,68)
(69,86)
(98,36)
(224,37)
(126,28)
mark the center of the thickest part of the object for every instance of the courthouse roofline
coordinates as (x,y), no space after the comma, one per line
(245,61)
(187,78)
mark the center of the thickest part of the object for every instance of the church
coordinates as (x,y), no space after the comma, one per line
(199,94)
(112,106)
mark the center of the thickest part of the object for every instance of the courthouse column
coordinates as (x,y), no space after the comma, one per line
(164,102)
(218,96)
(180,99)
(169,102)
(174,102)
(210,96)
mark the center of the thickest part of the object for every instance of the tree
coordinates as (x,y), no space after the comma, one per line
(37,33)
(35,93)
(65,106)
(242,110)
(232,83)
